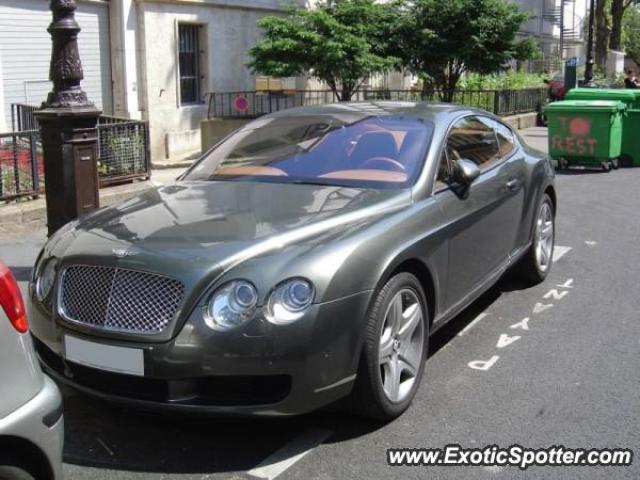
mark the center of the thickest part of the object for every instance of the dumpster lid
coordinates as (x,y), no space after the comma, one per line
(585,106)
(603,94)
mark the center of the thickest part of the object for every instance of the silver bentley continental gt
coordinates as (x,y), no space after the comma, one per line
(304,259)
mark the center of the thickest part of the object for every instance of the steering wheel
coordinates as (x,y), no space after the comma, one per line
(385,162)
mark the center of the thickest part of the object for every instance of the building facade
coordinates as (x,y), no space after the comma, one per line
(156,60)
(558,26)
(153,60)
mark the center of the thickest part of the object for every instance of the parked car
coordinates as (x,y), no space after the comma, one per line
(31,423)
(306,258)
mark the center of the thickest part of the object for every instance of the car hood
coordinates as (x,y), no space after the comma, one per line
(194,226)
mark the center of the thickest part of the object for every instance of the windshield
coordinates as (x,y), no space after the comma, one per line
(332,149)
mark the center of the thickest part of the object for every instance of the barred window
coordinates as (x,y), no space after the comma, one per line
(189,63)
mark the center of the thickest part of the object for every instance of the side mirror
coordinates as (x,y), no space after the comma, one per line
(465,171)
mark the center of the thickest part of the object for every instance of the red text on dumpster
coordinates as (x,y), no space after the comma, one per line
(575,137)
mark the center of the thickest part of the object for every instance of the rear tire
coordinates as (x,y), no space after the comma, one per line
(14,473)
(536,264)
(395,347)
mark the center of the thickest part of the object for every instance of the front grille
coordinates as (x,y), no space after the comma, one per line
(119,300)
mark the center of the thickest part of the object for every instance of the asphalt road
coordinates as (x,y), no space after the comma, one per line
(572,378)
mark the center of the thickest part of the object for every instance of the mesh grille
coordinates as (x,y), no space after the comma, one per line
(120,300)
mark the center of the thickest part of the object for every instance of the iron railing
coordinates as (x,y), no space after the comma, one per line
(22,117)
(252,104)
(21,164)
(123,152)
(123,149)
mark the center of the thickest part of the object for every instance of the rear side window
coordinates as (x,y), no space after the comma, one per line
(506,140)
(474,138)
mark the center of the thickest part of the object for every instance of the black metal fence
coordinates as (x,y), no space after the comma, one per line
(123,153)
(21,164)
(251,104)
(123,149)
(22,117)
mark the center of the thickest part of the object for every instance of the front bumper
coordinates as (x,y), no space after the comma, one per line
(40,422)
(261,369)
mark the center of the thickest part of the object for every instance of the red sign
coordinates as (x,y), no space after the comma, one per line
(241,103)
(575,137)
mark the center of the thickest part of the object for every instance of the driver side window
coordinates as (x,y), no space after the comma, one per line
(473,138)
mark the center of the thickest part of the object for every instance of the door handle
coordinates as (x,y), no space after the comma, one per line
(513,184)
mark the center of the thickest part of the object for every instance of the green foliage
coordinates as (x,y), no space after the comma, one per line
(527,49)
(341,42)
(443,40)
(509,80)
(631,32)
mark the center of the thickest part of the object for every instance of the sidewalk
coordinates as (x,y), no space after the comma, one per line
(536,137)
(22,217)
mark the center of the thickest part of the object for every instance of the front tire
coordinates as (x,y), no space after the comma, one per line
(14,473)
(537,262)
(395,347)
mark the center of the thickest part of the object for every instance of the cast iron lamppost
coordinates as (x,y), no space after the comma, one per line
(588,71)
(68,126)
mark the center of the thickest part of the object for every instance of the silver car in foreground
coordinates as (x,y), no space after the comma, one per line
(31,423)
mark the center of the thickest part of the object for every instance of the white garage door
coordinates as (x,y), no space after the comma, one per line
(25,52)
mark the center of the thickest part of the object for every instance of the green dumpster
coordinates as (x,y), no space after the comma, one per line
(583,132)
(631,123)
(631,98)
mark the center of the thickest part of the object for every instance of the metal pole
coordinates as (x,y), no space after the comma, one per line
(562,29)
(588,71)
(68,126)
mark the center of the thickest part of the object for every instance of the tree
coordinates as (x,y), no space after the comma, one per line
(618,7)
(526,49)
(631,33)
(441,40)
(341,42)
(602,33)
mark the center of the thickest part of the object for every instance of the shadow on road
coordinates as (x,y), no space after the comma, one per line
(102,435)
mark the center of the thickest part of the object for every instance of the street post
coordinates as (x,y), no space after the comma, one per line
(68,126)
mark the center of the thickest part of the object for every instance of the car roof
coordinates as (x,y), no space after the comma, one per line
(433,111)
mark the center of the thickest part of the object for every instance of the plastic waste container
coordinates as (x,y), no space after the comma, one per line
(631,122)
(585,132)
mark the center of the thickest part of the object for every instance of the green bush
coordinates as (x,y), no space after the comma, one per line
(510,80)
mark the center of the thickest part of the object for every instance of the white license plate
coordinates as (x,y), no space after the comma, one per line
(104,357)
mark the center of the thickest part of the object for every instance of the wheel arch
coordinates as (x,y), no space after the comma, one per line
(422,272)
(551,191)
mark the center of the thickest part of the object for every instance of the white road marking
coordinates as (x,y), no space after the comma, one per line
(505,340)
(483,364)
(559,252)
(539,307)
(523,324)
(555,294)
(473,322)
(279,461)
(591,243)
(567,284)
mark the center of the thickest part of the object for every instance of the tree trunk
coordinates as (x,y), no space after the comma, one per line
(617,12)
(602,34)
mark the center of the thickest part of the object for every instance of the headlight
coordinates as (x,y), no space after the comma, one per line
(231,305)
(289,300)
(46,279)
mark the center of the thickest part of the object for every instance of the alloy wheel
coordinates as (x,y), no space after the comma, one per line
(401,345)
(544,237)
